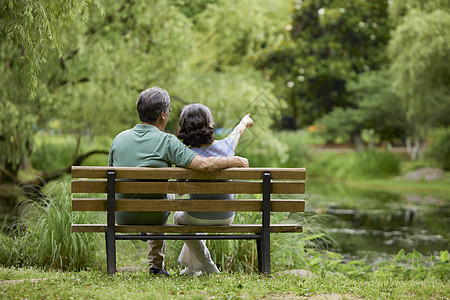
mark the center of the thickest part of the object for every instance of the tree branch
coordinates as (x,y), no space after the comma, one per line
(33,187)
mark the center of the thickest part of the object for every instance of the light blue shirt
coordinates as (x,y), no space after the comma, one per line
(223,148)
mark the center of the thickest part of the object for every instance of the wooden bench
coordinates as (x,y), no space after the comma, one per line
(248,181)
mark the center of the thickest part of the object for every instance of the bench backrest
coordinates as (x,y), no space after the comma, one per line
(92,180)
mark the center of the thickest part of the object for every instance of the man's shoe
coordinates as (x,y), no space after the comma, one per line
(156,271)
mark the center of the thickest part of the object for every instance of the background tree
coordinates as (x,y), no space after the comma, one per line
(35,26)
(28,31)
(377,111)
(89,87)
(332,42)
(419,49)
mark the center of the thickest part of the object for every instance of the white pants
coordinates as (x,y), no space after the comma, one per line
(195,255)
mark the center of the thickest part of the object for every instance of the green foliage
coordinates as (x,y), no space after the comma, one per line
(28,30)
(90,87)
(279,149)
(230,95)
(261,148)
(357,165)
(18,116)
(42,236)
(331,42)
(297,149)
(228,33)
(34,25)
(399,9)
(414,266)
(408,266)
(418,48)
(52,153)
(376,109)
(439,149)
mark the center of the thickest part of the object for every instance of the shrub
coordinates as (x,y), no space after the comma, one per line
(297,150)
(263,151)
(366,164)
(275,149)
(440,149)
(375,164)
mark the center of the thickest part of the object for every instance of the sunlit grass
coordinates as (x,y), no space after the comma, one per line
(139,285)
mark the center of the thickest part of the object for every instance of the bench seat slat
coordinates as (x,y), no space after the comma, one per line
(181,173)
(282,205)
(235,187)
(233,228)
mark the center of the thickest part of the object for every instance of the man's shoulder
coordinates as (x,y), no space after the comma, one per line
(124,133)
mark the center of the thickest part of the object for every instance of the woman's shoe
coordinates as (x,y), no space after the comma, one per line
(212,269)
(189,271)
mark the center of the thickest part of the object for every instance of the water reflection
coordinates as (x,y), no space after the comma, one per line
(373,224)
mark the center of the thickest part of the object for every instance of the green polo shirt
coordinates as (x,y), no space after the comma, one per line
(147,146)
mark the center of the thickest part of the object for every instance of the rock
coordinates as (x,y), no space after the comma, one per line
(427,174)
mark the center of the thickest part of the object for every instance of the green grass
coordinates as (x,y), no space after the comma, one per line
(396,184)
(139,285)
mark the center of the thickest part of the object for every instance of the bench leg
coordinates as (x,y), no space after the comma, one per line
(263,249)
(259,256)
(110,234)
(264,242)
(110,254)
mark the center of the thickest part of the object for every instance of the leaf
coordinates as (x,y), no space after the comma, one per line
(444,256)
(417,255)
(400,255)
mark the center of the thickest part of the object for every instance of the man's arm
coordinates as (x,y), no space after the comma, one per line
(210,164)
(240,128)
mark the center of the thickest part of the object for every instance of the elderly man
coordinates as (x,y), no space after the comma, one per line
(147,145)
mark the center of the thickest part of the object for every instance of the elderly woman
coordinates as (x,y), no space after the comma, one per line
(196,130)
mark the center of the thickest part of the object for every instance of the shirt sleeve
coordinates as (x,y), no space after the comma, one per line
(179,154)
(230,144)
(111,156)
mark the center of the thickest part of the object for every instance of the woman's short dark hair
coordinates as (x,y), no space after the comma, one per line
(151,103)
(195,126)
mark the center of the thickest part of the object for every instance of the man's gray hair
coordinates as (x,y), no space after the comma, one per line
(151,103)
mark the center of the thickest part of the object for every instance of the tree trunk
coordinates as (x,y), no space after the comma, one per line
(415,148)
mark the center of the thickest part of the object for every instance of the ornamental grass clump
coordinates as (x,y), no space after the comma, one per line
(42,237)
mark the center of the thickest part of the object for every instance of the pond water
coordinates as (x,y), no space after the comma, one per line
(372,224)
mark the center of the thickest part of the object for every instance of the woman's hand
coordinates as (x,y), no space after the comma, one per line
(247,121)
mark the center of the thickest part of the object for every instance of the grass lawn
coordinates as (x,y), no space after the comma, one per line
(438,187)
(37,284)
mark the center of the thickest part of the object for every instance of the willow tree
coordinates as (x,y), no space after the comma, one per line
(90,86)
(419,50)
(35,27)
(30,31)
